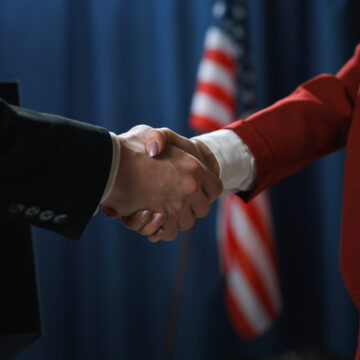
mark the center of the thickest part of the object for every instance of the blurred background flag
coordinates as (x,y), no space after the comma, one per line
(225,91)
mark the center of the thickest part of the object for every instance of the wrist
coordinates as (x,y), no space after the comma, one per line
(127,162)
(118,190)
(116,151)
(207,156)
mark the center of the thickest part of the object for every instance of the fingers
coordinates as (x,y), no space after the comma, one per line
(156,139)
(201,206)
(156,227)
(136,221)
(153,225)
(147,224)
(170,231)
(144,222)
(211,186)
(206,156)
(160,228)
(187,221)
(154,142)
(109,212)
(157,236)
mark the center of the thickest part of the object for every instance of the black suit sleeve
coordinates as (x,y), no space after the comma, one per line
(53,170)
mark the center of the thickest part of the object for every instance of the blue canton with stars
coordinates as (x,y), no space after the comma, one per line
(231,16)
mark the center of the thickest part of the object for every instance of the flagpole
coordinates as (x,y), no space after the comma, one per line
(174,305)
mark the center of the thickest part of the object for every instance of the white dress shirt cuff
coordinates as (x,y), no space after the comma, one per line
(116,150)
(237,164)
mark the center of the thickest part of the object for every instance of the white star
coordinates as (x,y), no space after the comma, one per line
(219,9)
(239,31)
(239,12)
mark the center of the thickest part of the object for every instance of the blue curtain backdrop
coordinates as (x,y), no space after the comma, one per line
(118,63)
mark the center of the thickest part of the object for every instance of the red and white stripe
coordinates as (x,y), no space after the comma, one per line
(245,235)
(249,264)
(213,103)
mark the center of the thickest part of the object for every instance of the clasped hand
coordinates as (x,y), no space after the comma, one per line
(163,183)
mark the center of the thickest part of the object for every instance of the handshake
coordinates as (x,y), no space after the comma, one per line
(163,183)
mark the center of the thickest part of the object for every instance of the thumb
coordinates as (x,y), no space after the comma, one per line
(154,142)
(156,139)
(110,212)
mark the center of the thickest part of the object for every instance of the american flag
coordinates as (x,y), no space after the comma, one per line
(225,91)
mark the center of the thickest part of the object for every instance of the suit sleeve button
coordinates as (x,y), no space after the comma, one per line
(60,219)
(46,215)
(32,212)
(16,209)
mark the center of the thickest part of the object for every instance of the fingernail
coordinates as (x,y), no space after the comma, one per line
(152,149)
(157,220)
(159,232)
(144,217)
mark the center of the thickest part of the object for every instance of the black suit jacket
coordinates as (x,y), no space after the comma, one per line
(53,172)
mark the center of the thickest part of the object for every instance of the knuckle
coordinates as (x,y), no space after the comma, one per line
(146,231)
(189,224)
(216,190)
(190,186)
(153,239)
(170,235)
(193,165)
(204,209)
(133,222)
(177,206)
(219,188)
(152,228)
(134,128)
(165,131)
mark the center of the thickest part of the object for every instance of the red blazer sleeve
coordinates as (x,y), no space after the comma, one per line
(311,122)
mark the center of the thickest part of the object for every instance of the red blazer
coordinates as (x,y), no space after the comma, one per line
(319,117)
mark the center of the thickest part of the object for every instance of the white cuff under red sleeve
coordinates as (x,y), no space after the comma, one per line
(237,164)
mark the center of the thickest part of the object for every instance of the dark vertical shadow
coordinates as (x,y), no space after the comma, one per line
(355,20)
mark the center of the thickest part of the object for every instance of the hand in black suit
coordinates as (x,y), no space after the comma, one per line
(53,174)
